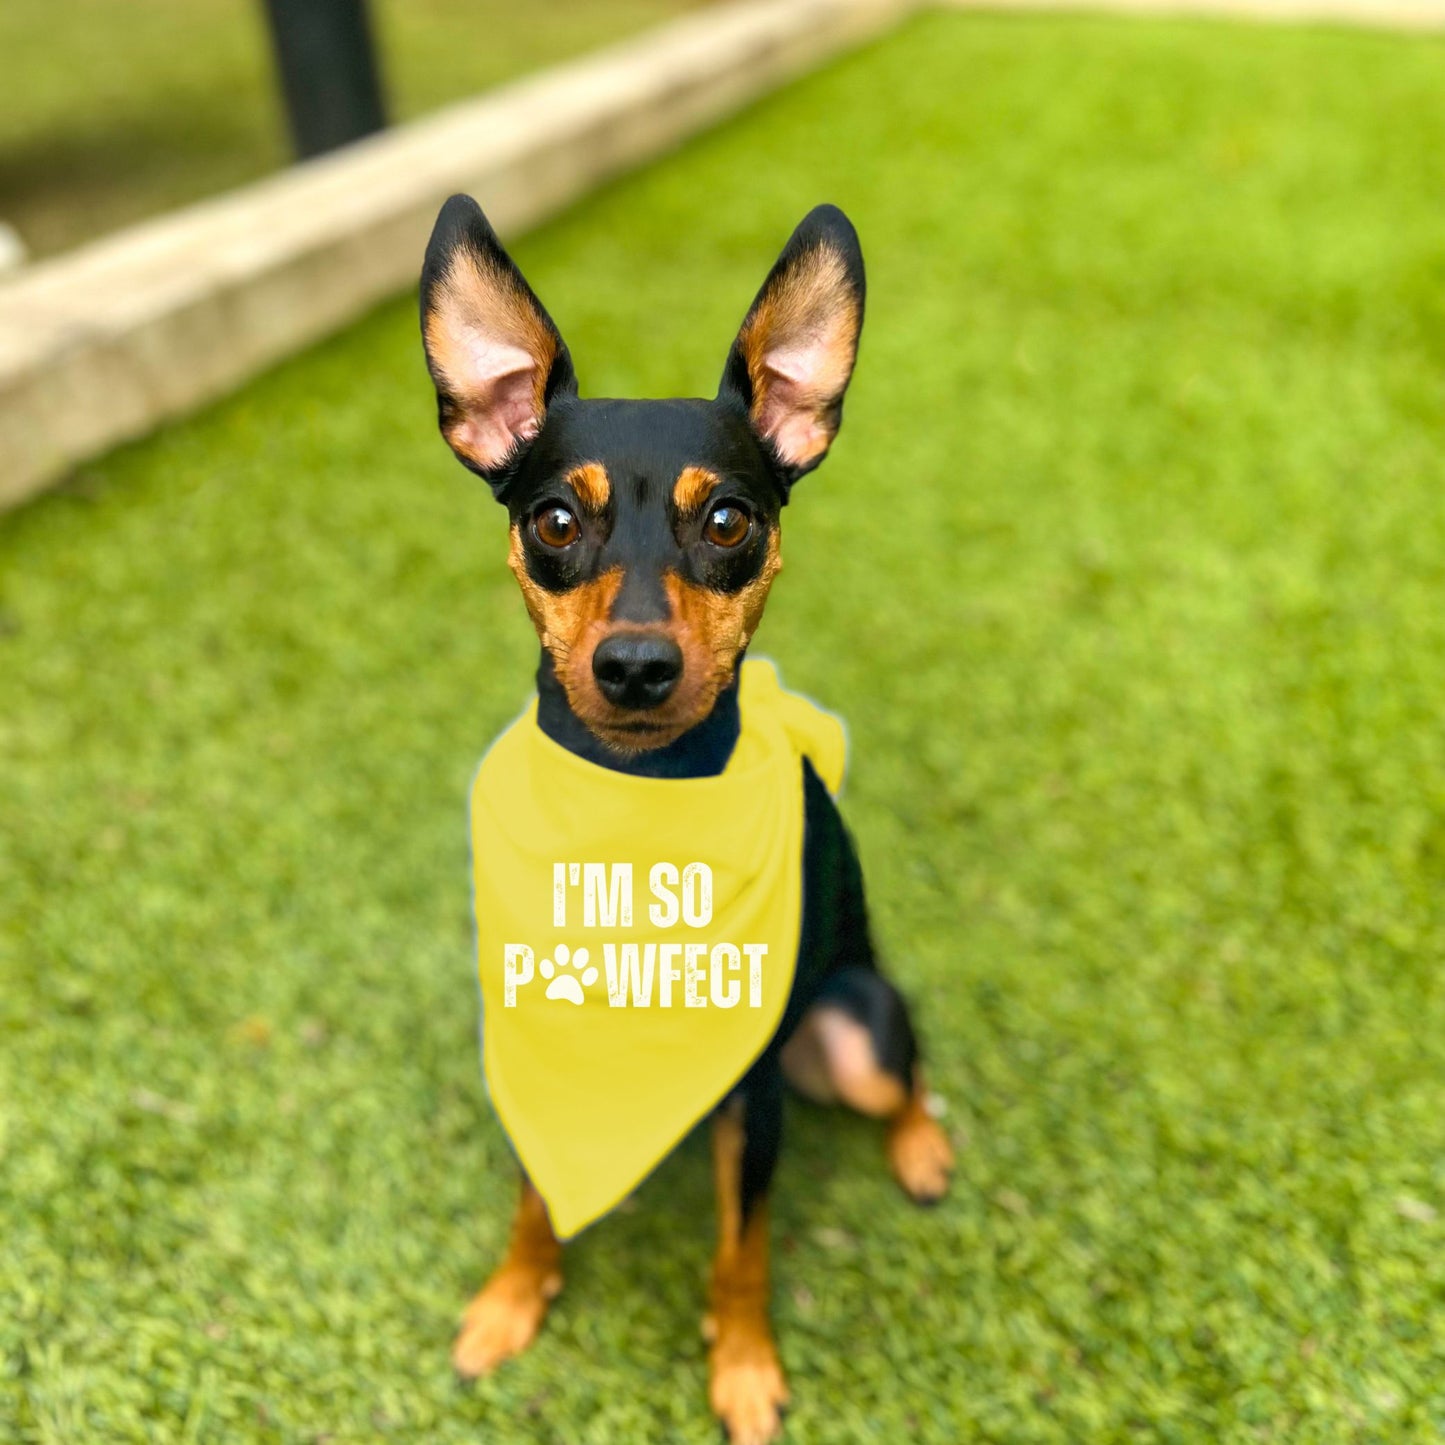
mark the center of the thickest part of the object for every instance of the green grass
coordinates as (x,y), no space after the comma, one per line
(1128,572)
(112,110)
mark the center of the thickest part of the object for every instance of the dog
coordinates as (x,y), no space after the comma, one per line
(644,536)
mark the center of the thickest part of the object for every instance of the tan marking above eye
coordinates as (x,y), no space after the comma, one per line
(592,485)
(694,485)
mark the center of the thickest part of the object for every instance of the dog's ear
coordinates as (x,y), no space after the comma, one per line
(493,352)
(791,362)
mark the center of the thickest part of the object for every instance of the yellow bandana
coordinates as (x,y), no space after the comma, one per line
(637,939)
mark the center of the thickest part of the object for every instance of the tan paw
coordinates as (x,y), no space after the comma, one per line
(503,1319)
(747,1389)
(920,1156)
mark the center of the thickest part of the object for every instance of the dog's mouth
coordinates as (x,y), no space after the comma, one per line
(626,732)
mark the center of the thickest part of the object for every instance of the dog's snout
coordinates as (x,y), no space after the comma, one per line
(637,670)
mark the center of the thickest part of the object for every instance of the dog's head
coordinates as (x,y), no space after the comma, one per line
(644,534)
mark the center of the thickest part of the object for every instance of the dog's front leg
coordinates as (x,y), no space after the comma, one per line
(746,1379)
(505,1317)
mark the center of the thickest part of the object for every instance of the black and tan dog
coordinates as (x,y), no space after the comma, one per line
(645,537)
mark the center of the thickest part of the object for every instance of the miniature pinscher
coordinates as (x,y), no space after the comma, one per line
(645,537)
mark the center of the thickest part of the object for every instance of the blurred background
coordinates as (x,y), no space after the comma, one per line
(1127,572)
(112,112)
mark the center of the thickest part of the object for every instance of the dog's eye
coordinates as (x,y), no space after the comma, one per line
(555,527)
(727,526)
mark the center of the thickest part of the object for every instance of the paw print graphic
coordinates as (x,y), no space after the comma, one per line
(566,985)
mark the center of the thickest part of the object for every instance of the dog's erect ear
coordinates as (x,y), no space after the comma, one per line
(493,352)
(793,357)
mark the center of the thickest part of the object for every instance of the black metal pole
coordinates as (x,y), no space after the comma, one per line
(328,70)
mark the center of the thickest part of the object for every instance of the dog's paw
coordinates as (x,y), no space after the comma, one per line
(503,1319)
(746,1388)
(920,1156)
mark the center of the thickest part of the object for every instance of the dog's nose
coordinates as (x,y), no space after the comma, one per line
(637,670)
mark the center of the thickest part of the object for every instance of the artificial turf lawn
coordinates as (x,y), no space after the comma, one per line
(111,110)
(1128,572)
